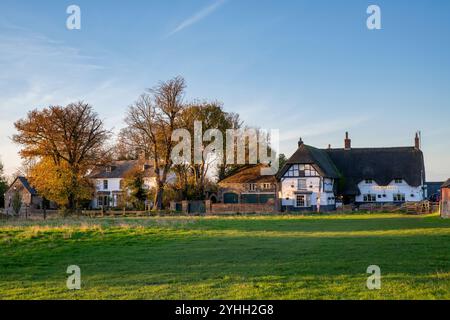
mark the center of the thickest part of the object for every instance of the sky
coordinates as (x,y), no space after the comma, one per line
(311,69)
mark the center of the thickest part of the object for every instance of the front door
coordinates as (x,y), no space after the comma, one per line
(301,201)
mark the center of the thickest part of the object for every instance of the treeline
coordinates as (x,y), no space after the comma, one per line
(62,145)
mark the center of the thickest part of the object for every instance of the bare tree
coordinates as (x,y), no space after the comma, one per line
(151,121)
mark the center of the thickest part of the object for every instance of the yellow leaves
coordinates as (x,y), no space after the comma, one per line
(57,181)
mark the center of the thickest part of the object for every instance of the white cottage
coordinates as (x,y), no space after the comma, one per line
(308,180)
(109,180)
(315,179)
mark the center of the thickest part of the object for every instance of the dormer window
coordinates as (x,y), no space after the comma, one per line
(369,181)
(108,169)
(398,181)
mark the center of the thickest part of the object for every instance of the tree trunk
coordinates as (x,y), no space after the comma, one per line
(159,196)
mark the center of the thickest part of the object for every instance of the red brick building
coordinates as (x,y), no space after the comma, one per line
(445,200)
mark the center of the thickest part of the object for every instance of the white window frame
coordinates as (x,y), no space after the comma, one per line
(370,197)
(299,185)
(297,201)
(397,196)
(266,186)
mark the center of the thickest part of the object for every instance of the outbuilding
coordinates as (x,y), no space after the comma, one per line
(445,200)
(28,195)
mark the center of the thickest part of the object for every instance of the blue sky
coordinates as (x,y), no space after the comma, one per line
(308,68)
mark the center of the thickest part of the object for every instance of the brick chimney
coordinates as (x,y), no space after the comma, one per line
(300,142)
(417,141)
(347,142)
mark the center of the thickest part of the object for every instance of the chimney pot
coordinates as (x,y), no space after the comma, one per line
(417,141)
(347,142)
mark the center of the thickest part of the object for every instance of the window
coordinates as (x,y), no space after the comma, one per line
(105,184)
(100,201)
(398,181)
(293,171)
(369,181)
(300,201)
(108,169)
(370,198)
(301,184)
(302,170)
(252,187)
(399,197)
(121,184)
(310,171)
(266,186)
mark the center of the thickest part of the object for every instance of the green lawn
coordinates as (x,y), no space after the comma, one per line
(272,257)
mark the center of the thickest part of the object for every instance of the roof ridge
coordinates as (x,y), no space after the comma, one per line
(370,148)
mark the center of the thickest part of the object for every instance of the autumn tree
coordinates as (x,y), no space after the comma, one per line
(51,178)
(151,120)
(66,142)
(3,186)
(135,192)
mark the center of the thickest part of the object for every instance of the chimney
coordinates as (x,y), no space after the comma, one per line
(329,146)
(347,142)
(300,142)
(417,141)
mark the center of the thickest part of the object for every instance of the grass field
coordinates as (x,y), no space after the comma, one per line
(273,257)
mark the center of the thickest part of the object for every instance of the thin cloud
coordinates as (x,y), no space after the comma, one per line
(203,13)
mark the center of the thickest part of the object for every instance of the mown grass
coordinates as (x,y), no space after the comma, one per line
(272,257)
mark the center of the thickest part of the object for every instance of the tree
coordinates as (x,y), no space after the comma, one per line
(67,141)
(51,179)
(193,177)
(282,160)
(3,186)
(134,190)
(151,121)
(17,202)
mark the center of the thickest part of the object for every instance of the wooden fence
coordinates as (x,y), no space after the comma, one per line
(422,207)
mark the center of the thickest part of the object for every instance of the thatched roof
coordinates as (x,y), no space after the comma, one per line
(249,174)
(352,166)
(382,165)
(309,155)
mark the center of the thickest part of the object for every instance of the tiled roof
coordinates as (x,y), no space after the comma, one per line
(119,169)
(249,174)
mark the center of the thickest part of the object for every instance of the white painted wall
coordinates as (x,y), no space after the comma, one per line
(114,186)
(289,191)
(389,191)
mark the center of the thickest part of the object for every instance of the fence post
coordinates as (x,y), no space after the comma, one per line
(208,206)
(185,206)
